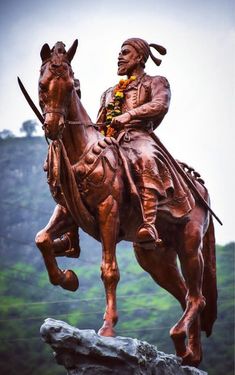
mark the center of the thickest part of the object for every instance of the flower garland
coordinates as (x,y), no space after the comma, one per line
(114,108)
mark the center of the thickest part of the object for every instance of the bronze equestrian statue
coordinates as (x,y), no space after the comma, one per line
(117,182)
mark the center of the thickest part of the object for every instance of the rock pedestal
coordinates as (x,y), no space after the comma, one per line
(83,352)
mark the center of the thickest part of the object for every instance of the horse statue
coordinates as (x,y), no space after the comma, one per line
(91,182)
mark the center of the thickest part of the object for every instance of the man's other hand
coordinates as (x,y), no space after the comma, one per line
(121,120)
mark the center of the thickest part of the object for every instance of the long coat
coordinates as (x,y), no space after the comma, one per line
(147,100)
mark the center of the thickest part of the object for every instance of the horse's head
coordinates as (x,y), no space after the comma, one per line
(56,83)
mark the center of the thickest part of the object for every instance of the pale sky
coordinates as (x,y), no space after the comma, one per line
(200,40)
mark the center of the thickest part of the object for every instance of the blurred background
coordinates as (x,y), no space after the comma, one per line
(199,37)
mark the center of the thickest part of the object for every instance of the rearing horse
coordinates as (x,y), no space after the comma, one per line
(90,180)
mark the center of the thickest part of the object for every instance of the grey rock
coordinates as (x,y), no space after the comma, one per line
(83,352)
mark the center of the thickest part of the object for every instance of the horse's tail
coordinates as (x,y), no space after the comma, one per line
(209,288)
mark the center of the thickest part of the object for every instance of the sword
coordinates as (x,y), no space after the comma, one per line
(186,177)
(30,102)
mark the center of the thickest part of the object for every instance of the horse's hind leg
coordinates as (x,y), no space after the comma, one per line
(192,268)
(60,222)
(162,267)
(194,344)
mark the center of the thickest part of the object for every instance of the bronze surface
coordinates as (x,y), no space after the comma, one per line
(126,187)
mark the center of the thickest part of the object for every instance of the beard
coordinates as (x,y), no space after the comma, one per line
(126,68)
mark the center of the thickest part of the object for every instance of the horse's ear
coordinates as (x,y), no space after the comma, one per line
(45,52)
(72,50)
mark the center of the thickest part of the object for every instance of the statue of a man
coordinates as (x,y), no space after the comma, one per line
(140,107)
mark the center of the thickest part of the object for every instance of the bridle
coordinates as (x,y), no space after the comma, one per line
(67,122)
(61,111)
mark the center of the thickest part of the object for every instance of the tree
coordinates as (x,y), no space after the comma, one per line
(6,133)
(29,127)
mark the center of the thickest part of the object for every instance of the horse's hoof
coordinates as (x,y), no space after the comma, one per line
(69,281)
(189,359)
(107,330)
(179,336)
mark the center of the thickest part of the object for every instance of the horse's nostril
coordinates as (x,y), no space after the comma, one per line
(54,65)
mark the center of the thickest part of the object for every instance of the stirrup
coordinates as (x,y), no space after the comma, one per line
(147,235)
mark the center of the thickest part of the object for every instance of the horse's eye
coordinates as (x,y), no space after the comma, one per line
(54,65)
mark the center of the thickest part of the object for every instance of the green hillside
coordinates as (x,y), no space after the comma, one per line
(145,310)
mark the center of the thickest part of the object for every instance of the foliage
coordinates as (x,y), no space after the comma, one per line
(28,127)
(6,133)
(146,311)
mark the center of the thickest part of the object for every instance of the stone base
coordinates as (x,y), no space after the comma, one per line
(83,352)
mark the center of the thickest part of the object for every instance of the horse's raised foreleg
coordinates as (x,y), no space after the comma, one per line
(109,226)
(192,268)
(60,223)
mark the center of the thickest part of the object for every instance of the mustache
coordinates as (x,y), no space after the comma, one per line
(120,62)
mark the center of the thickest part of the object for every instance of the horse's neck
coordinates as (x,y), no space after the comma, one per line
(77,137)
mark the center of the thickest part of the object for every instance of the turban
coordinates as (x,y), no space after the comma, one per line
(143,47)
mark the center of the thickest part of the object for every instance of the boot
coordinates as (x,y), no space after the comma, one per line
(67,245)
(147,232)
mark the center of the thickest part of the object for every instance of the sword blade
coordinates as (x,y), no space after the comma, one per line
(30,102)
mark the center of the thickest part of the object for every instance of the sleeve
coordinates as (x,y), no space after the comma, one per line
(159,103)
(102,111)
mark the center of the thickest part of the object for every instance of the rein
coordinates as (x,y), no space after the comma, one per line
(79,123)
(82,123)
